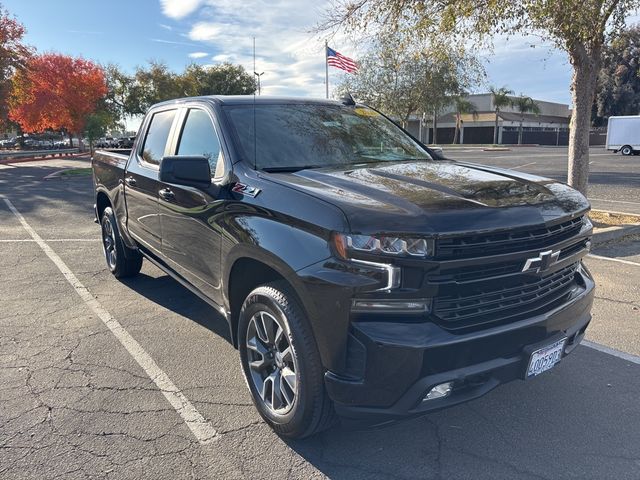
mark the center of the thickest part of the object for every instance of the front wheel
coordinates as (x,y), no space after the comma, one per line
(121,260)
(281,363)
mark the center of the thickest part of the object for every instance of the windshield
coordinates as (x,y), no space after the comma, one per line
(291,136)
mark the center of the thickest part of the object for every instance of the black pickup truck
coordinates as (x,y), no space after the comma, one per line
(361,273)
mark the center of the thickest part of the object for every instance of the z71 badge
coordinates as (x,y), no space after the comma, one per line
(245,189)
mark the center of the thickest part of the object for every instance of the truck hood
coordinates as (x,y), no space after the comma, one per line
(437,197)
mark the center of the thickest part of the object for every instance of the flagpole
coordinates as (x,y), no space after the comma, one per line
(326,67)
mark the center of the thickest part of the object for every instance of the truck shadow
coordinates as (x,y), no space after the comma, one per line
(577,421)
(166,292)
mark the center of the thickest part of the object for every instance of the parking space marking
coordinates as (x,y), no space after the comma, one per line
(612,351)
(615,201)
(525,165)
(48,240)
(201,428)
(610,259)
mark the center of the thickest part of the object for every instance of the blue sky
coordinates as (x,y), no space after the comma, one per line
(179,32)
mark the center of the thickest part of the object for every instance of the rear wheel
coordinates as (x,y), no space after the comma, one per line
(626,150)
(281,363)
(121,260)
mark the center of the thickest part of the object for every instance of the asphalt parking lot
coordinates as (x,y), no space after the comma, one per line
(77,399)
(614,179)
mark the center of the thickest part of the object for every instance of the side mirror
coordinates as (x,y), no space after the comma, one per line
(186,170)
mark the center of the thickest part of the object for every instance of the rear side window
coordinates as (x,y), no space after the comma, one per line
(199,138)
(157,135)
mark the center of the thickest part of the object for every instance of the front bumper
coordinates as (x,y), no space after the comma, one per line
(401,362)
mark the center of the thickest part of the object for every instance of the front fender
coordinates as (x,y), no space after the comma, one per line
(281,246)
(294,252)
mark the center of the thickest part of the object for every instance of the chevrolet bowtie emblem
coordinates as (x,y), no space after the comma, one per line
(542,262)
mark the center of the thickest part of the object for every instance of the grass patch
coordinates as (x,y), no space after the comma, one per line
(601,219)
(76,172)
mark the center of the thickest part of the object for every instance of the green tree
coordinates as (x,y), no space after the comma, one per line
(386,80)
(13,56)
(115,104)
(97,125)
(618,90)
(222,79)
(500,98)
(156,83)
(462,106)
(578,27)
(402,78)
(524,105)
(150,85)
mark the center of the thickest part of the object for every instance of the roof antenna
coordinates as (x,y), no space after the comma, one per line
(255,133)
(348,100)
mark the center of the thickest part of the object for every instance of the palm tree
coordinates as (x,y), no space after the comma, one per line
(463,106)
(501,99)
(524,105)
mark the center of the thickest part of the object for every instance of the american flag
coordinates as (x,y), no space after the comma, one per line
(336,59)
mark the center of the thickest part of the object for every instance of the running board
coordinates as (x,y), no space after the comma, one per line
(162,266)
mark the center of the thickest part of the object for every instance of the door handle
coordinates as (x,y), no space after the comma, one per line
(130,181)
(166,194)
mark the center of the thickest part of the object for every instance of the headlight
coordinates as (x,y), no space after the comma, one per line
(587,221)
(382,244)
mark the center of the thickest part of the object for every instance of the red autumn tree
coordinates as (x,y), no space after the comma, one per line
(56,92)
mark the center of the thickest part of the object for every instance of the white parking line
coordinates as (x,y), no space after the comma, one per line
(618,260)
(525,165)
(612,351)
(615,201)
(202,429)
(49,240)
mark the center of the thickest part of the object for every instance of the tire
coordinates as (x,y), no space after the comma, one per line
(281,363)
(626,150)
(121,260)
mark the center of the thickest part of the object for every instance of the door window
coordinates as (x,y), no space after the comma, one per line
(199,138)
(157,135)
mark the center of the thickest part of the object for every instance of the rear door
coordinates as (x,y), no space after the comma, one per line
(142,182)
(190,237)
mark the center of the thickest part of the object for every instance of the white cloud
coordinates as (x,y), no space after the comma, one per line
(206,32)
(179,8)
(198,54)
(291,57)
(172,42)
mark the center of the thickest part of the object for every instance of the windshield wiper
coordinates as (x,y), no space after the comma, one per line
(290,168)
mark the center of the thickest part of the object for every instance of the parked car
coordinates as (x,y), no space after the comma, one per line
(623,134)
(360,273)
(8,143)
(125,142)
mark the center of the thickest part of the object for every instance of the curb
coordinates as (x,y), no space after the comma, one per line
(603,235)
(8,161)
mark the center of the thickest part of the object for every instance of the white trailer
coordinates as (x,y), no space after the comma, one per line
(623,134)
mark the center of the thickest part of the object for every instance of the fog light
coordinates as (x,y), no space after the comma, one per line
(439,391)
(389,306)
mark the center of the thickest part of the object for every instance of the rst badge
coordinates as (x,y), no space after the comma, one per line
(245,189)
(542,262)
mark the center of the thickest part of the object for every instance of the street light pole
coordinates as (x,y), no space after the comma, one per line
(254,65)
(258,75)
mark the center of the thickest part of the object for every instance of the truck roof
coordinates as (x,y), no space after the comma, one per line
(250,99)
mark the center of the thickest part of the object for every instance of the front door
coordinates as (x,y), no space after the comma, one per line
(142,180)
(190,239)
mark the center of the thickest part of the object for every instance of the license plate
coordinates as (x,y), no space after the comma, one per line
(545,358)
